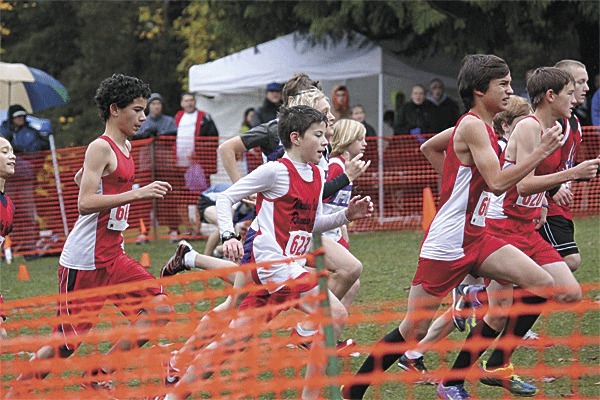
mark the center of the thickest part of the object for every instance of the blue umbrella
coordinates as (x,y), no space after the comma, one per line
(30,87)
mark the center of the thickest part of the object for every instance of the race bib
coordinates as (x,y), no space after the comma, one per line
(117,220)
(480,211)
(533,201)
(298,244)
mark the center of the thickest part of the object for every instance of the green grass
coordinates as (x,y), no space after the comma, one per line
(390,259)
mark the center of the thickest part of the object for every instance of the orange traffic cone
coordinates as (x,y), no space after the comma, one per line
(23,273)
(7,250)
(142,237)
(428,208)
(145,260)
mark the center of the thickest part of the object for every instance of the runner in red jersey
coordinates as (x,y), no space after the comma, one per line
(457,243)
(518,214)
(93,254)
(7,208)
(559,229)
(288,213)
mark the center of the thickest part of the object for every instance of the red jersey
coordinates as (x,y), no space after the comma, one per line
(96,239)
(464,201)
(7,213)
(285,224)
(565,159)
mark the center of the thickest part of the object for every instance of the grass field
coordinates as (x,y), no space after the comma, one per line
(389,259)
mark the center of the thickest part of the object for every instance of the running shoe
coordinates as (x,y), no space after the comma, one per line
(176,263)
(343,347)
(463,297)
(417,365)
(457,392)
(505,377)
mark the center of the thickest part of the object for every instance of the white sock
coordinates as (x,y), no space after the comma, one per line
(304,332)
(413,355)
(189,260)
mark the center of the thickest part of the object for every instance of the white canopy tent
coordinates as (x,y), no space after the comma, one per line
(227,86)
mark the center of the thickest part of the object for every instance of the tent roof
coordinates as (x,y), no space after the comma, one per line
(277,60)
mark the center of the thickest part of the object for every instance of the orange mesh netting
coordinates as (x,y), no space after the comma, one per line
(256,360)
(396,189)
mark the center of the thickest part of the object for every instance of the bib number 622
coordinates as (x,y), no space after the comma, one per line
(298,244)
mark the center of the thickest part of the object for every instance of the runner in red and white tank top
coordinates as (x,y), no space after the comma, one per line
(286,223)
(97,239)
(463,206)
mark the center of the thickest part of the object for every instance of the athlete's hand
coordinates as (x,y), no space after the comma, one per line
(359,208)
(587,170)
(233,250)
(551,140)
(563,197)
(539,222)
(356,166)
(155,190)
(250,200)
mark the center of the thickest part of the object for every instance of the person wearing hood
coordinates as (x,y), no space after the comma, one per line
(268,110)
(23,137)
(340,98)
(444,111)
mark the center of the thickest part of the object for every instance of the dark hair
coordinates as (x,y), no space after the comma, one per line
(121,90)
(544,79)
(476,72)
(187,94)
(297,119)
(246,112)
(297,84)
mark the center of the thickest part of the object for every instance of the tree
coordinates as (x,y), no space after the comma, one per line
(525,33)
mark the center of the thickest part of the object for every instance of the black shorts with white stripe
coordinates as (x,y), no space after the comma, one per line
(560,233)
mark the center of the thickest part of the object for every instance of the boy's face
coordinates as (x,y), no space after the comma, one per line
(7,159)
(130,118)
(581,84)
(498,94)
(312,145)
(324,107)
(565,101)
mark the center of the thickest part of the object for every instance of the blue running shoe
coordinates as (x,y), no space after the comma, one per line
(505,377)
(457,392)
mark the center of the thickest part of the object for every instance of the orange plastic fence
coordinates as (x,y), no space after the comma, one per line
(257,360)
(397,191)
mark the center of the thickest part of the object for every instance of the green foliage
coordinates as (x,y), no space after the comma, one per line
(81,43)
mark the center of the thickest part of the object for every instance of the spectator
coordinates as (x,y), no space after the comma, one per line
(388,122)
(156,124)
(191,123)
(341,102)
(247,121)
(596,103)
(358,114)
(268,111)
(445,110)
(24,139)
(415,116)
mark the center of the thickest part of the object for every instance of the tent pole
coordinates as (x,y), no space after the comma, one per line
(61,201)
(380,144)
